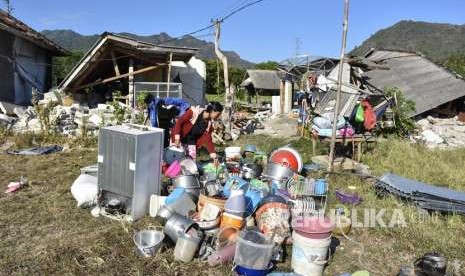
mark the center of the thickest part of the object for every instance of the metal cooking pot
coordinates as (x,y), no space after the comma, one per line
(186,181)
(189,166)
(178,224)
(278,171)
(251,171)
(189,182)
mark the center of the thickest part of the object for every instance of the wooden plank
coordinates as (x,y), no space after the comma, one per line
(140,71)
(115,63)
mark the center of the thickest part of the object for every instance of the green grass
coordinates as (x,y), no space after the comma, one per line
(44,233)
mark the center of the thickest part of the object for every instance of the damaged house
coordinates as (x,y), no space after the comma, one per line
(433,88)
(262,82)
(25,60)
(118,63)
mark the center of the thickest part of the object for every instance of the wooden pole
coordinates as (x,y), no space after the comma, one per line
(169,74)
(131,83)
(217,76)
(339,85)
(115,63)
(228,95)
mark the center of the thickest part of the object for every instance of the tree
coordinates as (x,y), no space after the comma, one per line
(236,76)
(63,65)
(456,63)
(403,110)
(268,65)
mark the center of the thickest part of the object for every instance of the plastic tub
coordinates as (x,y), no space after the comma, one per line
(314,227)
(253,250)
(244,271)
(229,220)
(232,152)
(186,247)
(217,201)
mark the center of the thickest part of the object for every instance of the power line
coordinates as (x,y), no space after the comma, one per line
(231,8)
(224,18)
(240,9)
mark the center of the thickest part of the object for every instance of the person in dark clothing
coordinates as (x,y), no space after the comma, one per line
(194,129)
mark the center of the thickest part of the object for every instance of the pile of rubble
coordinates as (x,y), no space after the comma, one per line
(441,133)
(73,120)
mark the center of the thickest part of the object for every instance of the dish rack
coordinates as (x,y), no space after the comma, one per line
(308,196)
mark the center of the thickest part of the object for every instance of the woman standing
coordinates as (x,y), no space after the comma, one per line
(194,129)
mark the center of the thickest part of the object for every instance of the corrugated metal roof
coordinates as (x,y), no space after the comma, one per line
(349,95)
(12,25)
(264,79)
(422,81)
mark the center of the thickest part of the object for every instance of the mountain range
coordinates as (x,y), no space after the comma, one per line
(74,41)
(435,40)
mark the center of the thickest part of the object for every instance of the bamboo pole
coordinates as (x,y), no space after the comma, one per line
(339,85)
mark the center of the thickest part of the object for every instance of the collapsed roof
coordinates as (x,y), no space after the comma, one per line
(422,81)
(12,25)
(263,79)
(108,60)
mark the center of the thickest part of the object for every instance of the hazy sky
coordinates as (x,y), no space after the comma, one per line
(266,31)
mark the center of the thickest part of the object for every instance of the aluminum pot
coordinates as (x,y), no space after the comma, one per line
(165,213)
(278,171)
(177,225)
(186,181)
(148,242)
(189,182)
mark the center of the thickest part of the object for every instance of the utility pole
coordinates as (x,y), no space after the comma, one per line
(297,46)
(228,95)
(9,7)
(218,76)
(339,85)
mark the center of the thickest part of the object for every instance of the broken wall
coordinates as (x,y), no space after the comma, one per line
(193,78)
(6,67)
(31,69)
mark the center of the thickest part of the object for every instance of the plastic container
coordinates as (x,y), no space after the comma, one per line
(287,155)
(232,152)
(236,203)
(314,227)
(320,187)
(217,201)
(309,256)
(186,247)
(253,250)
(173,170)
(148,242)
(223,255)
(229,220)
(226,236)
(244,271)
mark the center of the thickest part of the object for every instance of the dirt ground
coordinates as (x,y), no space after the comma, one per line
(44,233)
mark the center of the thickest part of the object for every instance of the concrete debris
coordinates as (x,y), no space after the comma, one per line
(441,133)
(71,120)
(6,120)
(8,108)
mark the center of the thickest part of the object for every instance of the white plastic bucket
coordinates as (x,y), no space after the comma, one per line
(232,152)
(309,256)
